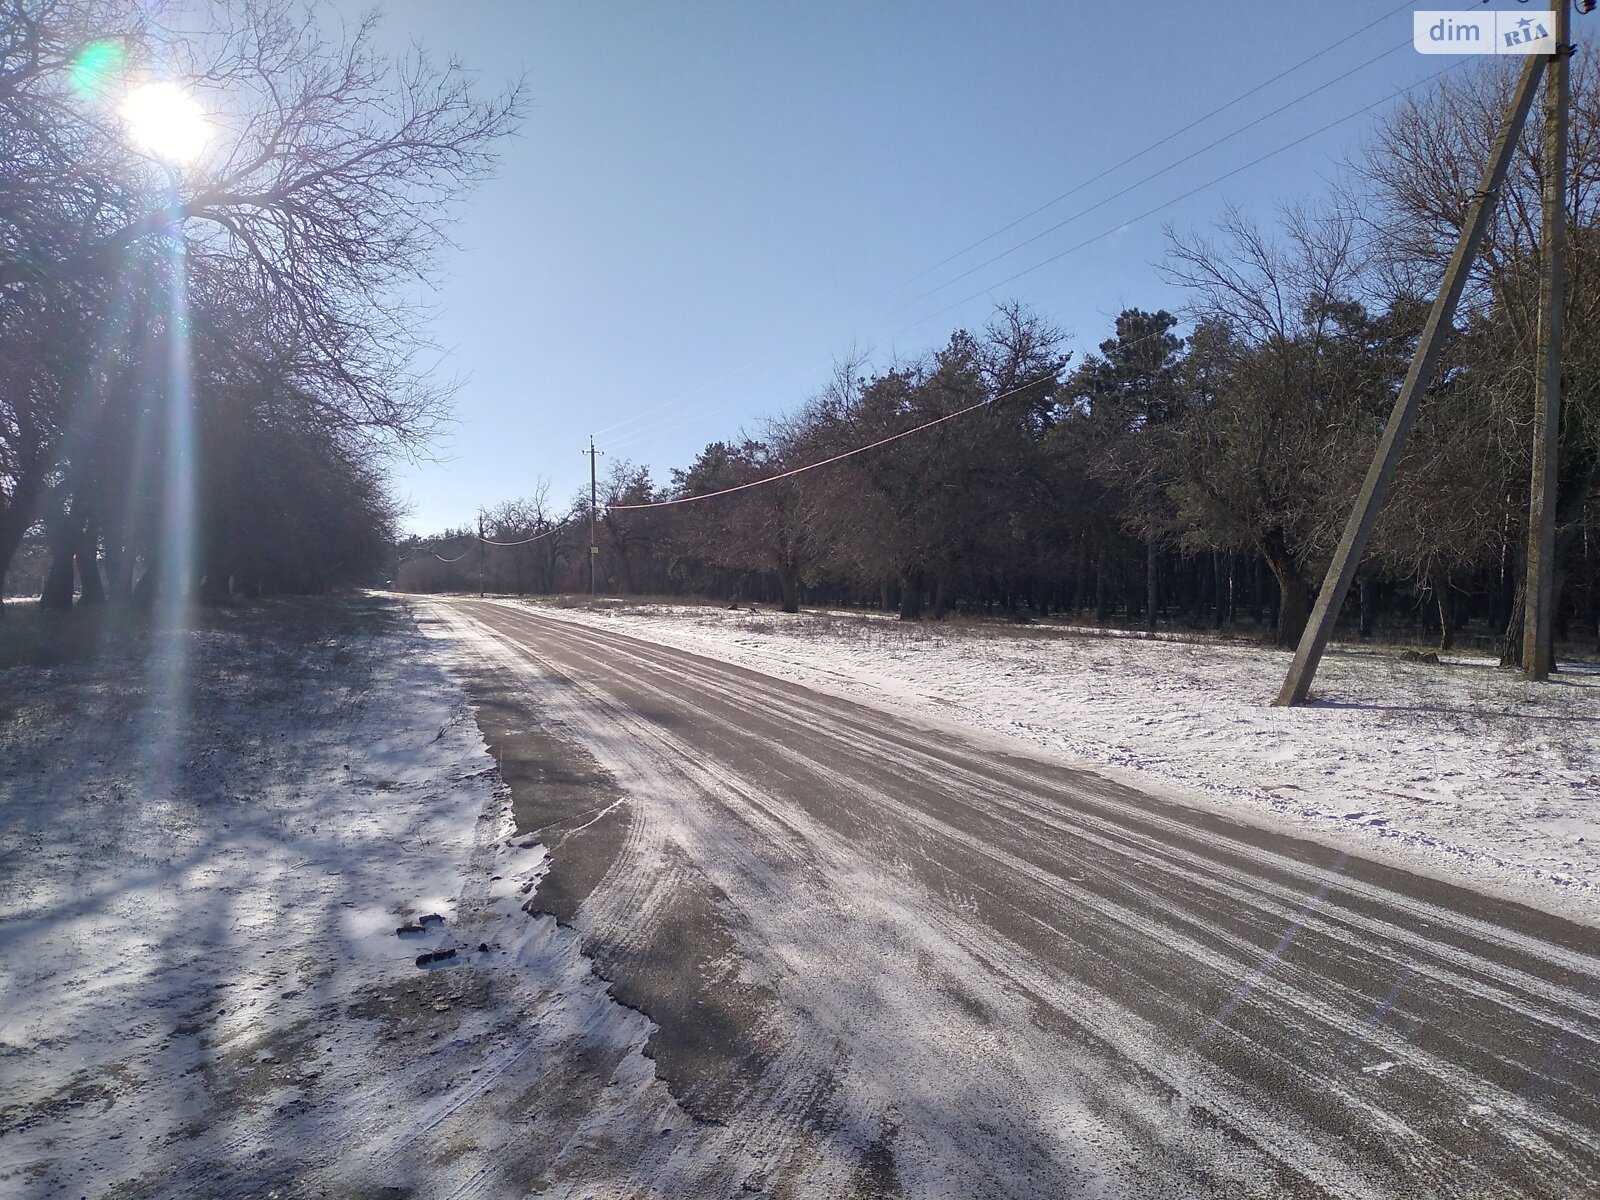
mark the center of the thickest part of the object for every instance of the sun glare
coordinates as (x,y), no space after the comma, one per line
(165,120)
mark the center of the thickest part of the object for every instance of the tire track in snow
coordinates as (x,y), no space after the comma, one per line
(1531,1143)
(1005,798)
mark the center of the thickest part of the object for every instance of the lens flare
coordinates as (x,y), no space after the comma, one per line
(165,120)
(96,67)
(173,433)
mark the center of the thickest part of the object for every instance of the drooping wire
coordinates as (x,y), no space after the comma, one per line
(789,474)
(525,541)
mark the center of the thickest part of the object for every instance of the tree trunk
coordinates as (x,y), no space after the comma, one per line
(1152,582)
(941,595)
(86,550)
(911,594)
(63,534)
(1511,639)
(17,511)
(56,596)
(1444,597)
(92,587)
(1294,594)
(148,588)
(1080,576)
(789,586)
(1369,605)
(120,563)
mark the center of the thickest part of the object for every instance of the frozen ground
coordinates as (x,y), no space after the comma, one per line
(202,990)
(1459,770)
(208,843)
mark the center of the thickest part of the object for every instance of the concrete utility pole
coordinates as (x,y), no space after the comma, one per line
(594,544)
(1539,589)
(1297,685)
(483,549)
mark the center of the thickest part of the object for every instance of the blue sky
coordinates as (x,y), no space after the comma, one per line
(709,202)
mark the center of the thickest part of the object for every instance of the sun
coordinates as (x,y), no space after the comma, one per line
(165,120)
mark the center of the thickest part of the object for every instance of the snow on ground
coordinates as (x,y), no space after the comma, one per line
(202,987)
(1460,770)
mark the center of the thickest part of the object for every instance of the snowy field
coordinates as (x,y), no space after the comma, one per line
(1461,770)
(202,987)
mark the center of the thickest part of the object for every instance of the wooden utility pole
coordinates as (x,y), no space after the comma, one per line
(1537,632)
(1297,684)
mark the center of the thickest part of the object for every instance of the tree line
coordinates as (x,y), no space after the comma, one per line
(207,365)
(1196,467)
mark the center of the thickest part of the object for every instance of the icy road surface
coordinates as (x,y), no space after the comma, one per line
(885,957)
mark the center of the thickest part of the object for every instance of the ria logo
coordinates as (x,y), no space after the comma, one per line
(1502,32)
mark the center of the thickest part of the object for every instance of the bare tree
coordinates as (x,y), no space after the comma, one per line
(1268,460)
(320,207)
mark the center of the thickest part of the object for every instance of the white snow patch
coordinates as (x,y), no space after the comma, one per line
(202,991)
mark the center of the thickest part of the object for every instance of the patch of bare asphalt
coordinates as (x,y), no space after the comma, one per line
(713,1039)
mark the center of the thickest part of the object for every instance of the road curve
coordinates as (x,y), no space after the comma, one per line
(886,959)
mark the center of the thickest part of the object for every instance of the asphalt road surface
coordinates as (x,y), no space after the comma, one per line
(888,958)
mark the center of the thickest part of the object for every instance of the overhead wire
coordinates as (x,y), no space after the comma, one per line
(656,429)
(894,437)
(1037,266)
(525,541)
(1150,212)
(1245,95)
(1155,145)
(789,474)
(1154,175)
(491,542)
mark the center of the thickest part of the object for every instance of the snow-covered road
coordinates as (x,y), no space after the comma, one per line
(884,955)
(1459,770)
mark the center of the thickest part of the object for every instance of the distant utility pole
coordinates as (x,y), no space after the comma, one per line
(1539,589)
(1297,684)
(594,544)
(483,549)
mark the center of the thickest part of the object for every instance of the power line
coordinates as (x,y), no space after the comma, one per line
(737,371)
(754,483)
(1138,183)
(1071,192)
(871,445)
(1150,212)
(895,437)
(491,542)
(1147,213)
(1156,145)
(525,541)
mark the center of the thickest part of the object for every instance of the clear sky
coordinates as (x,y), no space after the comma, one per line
(710,201)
